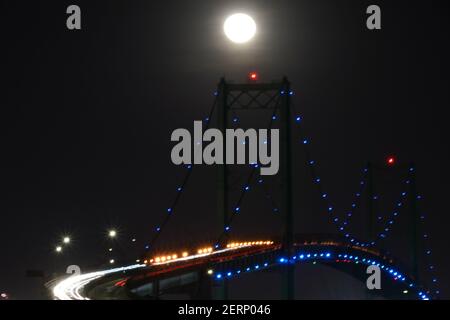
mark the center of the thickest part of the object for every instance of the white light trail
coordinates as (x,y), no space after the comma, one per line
(70,288)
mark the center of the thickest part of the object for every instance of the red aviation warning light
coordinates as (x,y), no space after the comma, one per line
(253,76)
(390,161)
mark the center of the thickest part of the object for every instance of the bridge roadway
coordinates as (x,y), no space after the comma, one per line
(198,275)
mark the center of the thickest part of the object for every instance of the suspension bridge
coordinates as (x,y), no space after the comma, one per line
(205,273)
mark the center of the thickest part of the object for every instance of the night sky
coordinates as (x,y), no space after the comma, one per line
(86,119)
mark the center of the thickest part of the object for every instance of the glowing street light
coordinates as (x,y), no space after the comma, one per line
(66,240)
(58,249)
(111,261)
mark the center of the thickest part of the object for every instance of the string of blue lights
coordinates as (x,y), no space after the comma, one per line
(247,186)
(428,252)
(179,190)
(343,227)
(327,256)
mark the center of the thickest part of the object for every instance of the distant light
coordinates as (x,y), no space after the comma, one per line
(111,261)
(390,161)
(58,249)
(253,76)
(210,271)
(112,233)
(66,240)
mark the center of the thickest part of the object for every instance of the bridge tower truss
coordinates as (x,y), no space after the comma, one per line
(254,96)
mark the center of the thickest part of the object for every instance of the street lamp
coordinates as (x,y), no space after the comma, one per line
(58,249)
(66,240)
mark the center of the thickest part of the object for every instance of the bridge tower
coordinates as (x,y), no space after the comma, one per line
(253,96)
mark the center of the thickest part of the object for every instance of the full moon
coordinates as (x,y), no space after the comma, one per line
(239,28)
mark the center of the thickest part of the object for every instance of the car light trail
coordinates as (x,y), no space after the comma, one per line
(70,288)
